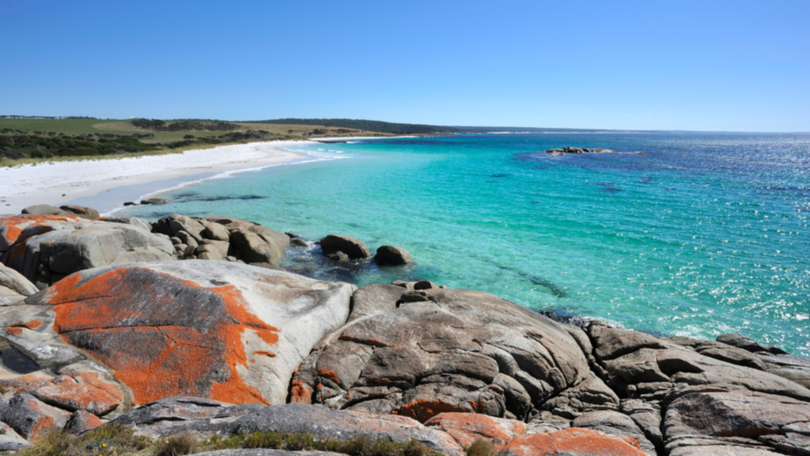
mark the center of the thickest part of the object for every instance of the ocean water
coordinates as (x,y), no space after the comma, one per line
(694,234)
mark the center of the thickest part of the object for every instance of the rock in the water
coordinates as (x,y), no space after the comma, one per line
(256,248)
(455,351)
(81,211)
(465,428)
(390,255)
(220,330)
(352,247)
(572,442)
(154,201)
(31,418)
(44,209)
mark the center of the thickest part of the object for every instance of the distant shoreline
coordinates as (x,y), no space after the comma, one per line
(63,182)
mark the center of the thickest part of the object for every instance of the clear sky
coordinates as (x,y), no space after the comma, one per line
(686,65)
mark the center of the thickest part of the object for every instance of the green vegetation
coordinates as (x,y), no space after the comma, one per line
(368,125)
(184,125)
(15,146)
(480,447)
(119,440)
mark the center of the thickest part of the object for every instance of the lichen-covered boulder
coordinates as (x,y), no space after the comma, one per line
(572,442)
(30,417)
(12,227)
(466,428)
(225,331)
(440,350)
(46,254)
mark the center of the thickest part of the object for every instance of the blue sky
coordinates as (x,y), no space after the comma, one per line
(702,65)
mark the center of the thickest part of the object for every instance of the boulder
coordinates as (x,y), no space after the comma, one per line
(203,418)
(81,211)
(267,452)
(31,418)
(733,418)
(572,442)
(390,255)
(82,421)
(14,287)
(256,248)
(352,247)
(590,395)
(615,423)
(465,428)
(44,209)
(134,221)
(790,367)
(746,343)
(10,440)
(48,257)
(215,231)
(333,424)
(219,330)
(12,227)
(455,351)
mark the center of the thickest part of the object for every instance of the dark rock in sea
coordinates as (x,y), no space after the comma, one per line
(390,255)
(352,247)
(81,211)
(154,201)
(44,209)
(339,257)
(299,242)
(576,150)
(130,203)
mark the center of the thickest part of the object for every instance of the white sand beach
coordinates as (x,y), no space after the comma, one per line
(59,183)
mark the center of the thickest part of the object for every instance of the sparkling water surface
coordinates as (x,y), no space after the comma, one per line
(694,234)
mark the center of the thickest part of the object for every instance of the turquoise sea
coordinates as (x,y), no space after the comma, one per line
(694,234)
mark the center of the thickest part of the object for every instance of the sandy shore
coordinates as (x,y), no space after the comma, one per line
(61,183)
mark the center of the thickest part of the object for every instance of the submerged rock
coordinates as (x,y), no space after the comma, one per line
(390,255)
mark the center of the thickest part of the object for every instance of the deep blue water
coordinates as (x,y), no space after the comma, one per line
(694,234)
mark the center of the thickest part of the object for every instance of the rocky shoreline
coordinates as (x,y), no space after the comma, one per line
(188,326)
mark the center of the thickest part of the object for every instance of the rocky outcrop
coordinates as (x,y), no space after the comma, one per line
(31,418)
(223,238)
(81,211)
(576,150)
(394,256)
(353,248)
(46,257)
(44,209)
(12,228)
(212,329)
(572,442)
(441,350)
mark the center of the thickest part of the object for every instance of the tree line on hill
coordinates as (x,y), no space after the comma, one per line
(184,125)
(367,125)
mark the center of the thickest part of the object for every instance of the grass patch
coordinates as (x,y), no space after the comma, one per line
(480,447)
(118,440)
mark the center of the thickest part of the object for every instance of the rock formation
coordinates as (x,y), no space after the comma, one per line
(101,324)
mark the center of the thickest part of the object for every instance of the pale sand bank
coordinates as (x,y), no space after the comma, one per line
(61,183)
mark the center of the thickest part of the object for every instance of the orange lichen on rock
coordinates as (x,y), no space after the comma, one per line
(265,353)
(12,227)
(465,428)
(16,328)
(331,375)
(300,391)
(162,335)
(572,442)
(422,410)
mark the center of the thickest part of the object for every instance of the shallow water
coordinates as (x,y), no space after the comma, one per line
(673,233)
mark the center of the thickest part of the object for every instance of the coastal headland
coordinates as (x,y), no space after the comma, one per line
(185,330)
